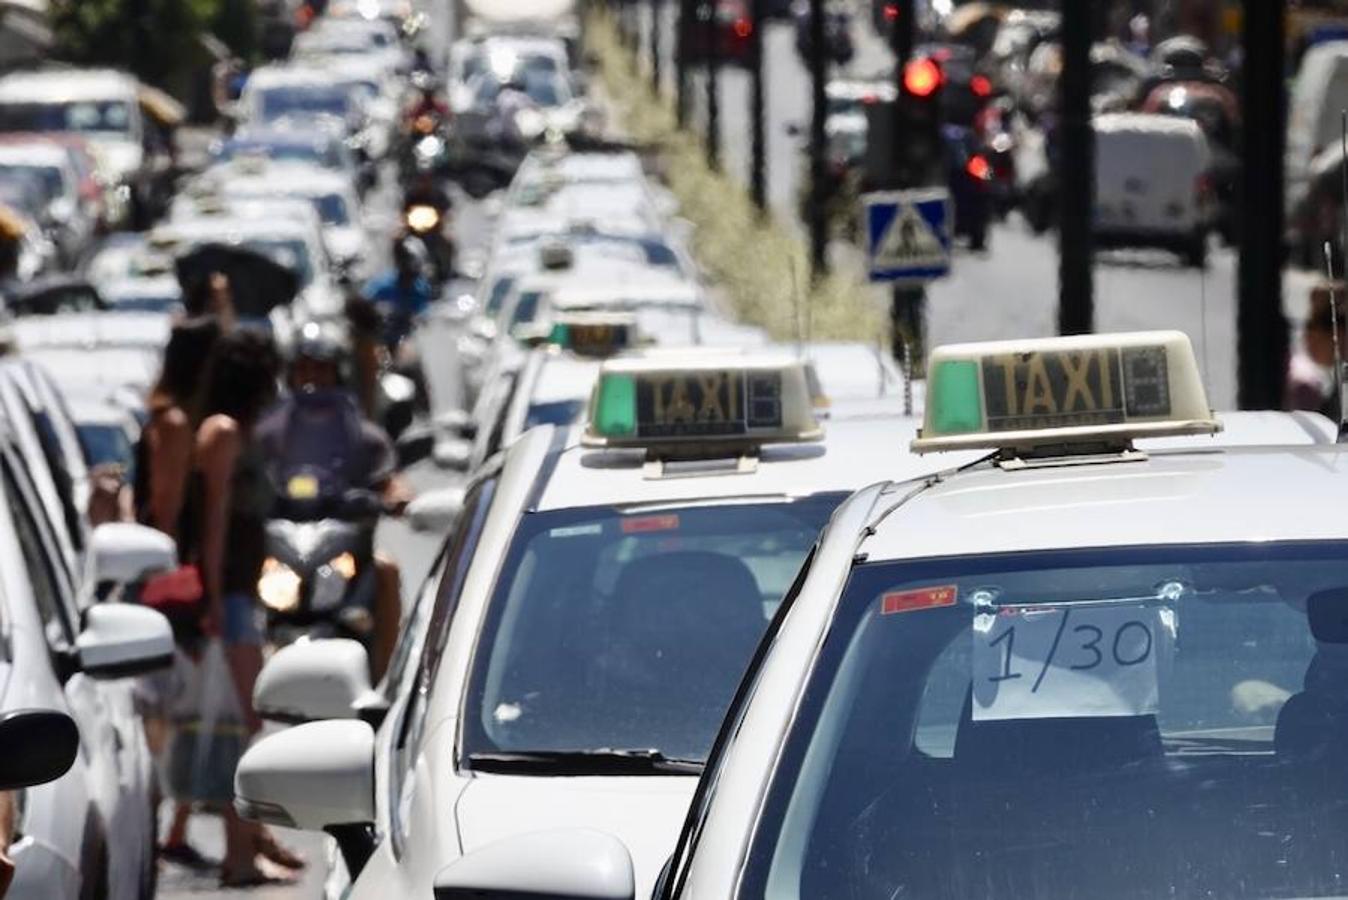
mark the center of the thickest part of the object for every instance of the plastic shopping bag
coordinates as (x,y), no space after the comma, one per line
(210,735)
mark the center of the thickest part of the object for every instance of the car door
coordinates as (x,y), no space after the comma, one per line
(112,732)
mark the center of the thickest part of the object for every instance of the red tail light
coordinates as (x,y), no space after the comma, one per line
(981,86)
(922,77)
(891,12)
(743,27)
(978,167)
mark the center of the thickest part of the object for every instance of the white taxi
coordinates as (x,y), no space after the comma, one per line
(602,593)
(1105,659)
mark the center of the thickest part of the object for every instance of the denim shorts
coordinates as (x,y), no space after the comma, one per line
(242,623)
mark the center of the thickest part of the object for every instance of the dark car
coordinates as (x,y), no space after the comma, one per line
(732,27)
(838,47)
(970,176)
(53,295)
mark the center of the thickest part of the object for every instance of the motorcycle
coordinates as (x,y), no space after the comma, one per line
(427,225)
(318,577)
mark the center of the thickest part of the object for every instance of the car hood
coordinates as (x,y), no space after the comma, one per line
(645,813)
(344,241)
(120,158)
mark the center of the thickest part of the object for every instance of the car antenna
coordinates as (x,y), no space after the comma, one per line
(1333,288)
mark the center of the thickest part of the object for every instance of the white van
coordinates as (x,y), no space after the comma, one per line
(1151,184)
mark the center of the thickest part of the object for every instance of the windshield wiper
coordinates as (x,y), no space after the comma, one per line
(603,761)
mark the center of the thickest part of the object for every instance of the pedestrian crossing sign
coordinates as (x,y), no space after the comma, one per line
(907,234)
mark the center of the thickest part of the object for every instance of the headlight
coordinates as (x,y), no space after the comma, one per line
(422,219)
(279,586)
(330,582)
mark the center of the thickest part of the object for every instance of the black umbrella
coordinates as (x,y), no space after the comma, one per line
(259,283)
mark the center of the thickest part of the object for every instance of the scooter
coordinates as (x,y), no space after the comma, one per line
(426,224)
(318,577)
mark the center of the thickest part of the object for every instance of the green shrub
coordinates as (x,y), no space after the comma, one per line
(762,267)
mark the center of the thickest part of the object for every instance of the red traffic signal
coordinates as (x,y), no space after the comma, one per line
(922,77)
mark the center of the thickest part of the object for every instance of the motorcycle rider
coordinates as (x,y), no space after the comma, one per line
(369,461)
(511,100)
(404,291)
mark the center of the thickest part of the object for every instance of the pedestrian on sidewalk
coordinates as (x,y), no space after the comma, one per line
(163,467)
(1312,383)
(230,486)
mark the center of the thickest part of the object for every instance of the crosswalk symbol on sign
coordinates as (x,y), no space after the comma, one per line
(907,234)
(909,242)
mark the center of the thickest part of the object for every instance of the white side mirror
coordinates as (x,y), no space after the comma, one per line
(453,453)
(122,639)
(579,864)
(436,511)
(124,553)
(313,777)
(313,680)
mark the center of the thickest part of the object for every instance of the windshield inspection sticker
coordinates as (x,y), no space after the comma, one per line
(921,598)
(1065,661)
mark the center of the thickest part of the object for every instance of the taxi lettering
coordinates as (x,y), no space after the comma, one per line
(1036,390)
(690,403)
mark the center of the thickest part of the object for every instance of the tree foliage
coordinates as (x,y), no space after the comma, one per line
(158,40)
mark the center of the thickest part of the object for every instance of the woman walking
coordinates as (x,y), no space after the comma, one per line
(163,469)
(230,484)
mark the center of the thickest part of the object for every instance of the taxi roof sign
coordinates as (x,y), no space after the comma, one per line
(596,335)
(701,404)
(1054,392)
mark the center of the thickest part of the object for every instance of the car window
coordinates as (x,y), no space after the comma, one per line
(48,591)
(1151,721)
(410,730)
(630,630)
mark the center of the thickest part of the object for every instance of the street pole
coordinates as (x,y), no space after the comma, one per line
(656,74)
(681,27)
(1261,327)
(909,304)
(818,199)
(758,179)
(1076,174)
(712,33)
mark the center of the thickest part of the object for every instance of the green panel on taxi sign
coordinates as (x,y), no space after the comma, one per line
(954,397)
(616,408)
(561,335)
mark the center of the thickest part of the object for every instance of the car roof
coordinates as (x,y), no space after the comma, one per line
(852,455)
(1147,123)
(69,85)
(34,153)
(583,167)
(624,287)
(93,330)
(288,76)
(1199,495)
(562,376)
(293,177)
(228,227)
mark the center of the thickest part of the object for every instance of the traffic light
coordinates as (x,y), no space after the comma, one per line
(904,146)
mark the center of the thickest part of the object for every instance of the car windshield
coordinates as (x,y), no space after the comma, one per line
(89,117)
(293,254)
(630,630)
(49,177)
(543,88)
(332,209)
(277,103)
(145,301)
(500,290)
(1139,722)
(556,412)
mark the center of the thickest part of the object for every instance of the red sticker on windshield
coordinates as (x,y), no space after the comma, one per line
(647,524)
(922,598)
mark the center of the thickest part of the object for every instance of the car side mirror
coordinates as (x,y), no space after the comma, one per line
(453,453)
(413,445)
(124,553)
(578,864)
(436,511)
(315,680)
(36,746)
(316,777)
(122,639)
